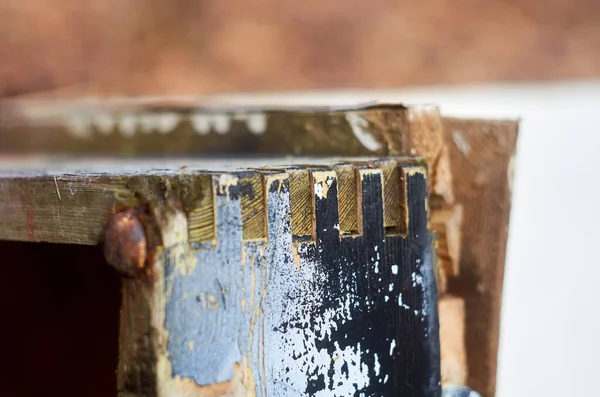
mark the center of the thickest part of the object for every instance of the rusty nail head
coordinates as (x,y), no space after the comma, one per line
(125,245)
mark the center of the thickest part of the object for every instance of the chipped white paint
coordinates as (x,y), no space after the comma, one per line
(292,328)
(377,365)
(356,370)
(319,190)
(225,182)
(205,123)
(163,123)
(201,123)
(417,279)
(128,124)
(79,125)
(221,123)
(394,269)
(104,123)
(167,122)
(319,361)
(345,368)
(147,122)
(401,302)
(255,122)
(461,143)
(360,129)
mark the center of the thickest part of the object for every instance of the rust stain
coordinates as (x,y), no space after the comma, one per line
(125,244)
(29,224)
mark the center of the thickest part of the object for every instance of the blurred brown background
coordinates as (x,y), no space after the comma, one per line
(208,46)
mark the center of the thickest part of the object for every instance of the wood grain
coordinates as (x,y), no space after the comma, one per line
(482,162)
(452,333)
(168,126)
(61,208)
(63,202)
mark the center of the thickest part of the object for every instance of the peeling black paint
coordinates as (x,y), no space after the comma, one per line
(356,316)
(366,263)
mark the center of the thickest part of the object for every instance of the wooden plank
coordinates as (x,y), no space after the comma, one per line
(482,157)
(59,201)
(61,208)
(347,181)
(461,165)
(252,198)
(357,314)
(142,127)
(452,332)
(145,126)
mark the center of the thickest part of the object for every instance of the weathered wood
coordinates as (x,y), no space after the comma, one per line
(325,315)
(68,201)
(468,184)
(146,126)
(61,208)
(452,332)
(142,127)
(482,157)
(180,126)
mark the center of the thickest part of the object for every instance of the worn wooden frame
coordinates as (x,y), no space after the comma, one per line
(470,174)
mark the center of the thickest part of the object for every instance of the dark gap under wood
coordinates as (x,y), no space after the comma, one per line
(60,324)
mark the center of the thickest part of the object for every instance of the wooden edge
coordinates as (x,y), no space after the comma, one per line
(470,164)
(77,127)
(481,157)
(61,208)
(74,208)
(451,311)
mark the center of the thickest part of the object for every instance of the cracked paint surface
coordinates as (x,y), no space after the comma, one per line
(330,317)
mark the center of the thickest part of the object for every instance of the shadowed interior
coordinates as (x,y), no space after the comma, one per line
(60,306)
